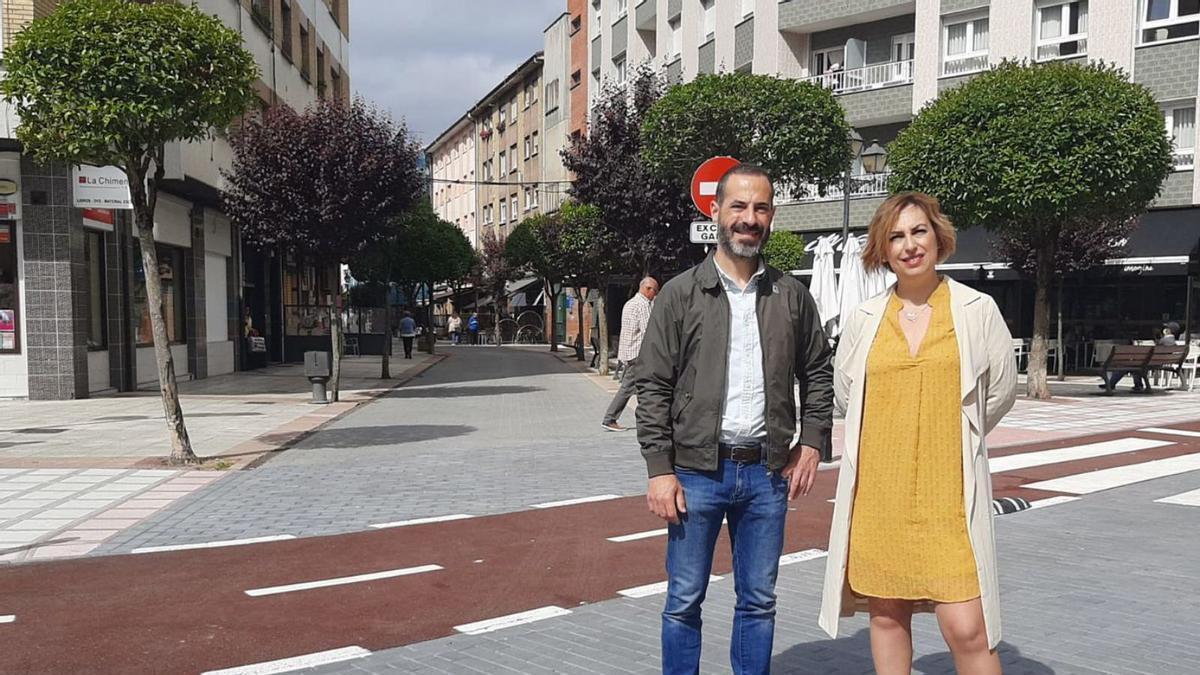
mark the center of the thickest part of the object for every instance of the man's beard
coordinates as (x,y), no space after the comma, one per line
(733,248)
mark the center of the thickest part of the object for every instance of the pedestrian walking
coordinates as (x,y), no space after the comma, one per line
(924,372)
(716,419)
(454,325)
(634,317)
(473,327)
(408,331)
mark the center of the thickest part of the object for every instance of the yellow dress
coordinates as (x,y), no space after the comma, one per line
(908,532)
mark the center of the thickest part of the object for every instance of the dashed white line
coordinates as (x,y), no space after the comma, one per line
(1026,460)
(655,588)
(213,544)
(1173,432)
(1184,499)
(500,622)
(422,521)
(638,535)
(8,618)
(801,556)
(341,581)
(572,502)
(1095,481)
(295,662)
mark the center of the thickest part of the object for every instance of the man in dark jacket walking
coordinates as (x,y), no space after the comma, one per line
(725,346)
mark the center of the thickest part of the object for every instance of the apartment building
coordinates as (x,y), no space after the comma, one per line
(885,59)
(73,315)
(451,164)
(508,123)
(559,114)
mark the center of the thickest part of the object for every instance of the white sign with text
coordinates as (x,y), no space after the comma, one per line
(704,232)
(101,187)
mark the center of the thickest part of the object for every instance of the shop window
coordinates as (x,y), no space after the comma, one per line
(170,274)
(10,340)
(93,252)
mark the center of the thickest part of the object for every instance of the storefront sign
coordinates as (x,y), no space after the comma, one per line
(10,198)
(104,187)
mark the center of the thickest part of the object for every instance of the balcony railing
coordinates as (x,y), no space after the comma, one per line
(862,185)
(1062,48)
(868,77)
(1185,160)
(967,64)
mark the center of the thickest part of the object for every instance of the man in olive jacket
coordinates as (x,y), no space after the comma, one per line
(716,417)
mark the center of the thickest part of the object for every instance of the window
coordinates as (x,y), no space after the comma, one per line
(676,37)
(708,27)
(304,52)
(503,113)
(622,9)
(528,199)
(503,211)
(827,61)
(528,147)
(170,275)
(503,163)
(576,24)
(1170,19)
(512,111)
(513,210)
(260,11)
(965,46)
(512,154)
(1181,125)
(576,78)
(533,204)
(619,70)
(596,14)
(1062,29)
(487,214)
(552,95)
(285,21)
(747,8)
(535,144)
(10,333)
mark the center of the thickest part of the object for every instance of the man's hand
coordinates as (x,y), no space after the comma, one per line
(801,470)
(665,497)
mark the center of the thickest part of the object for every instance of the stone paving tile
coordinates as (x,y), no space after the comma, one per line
(1098,586)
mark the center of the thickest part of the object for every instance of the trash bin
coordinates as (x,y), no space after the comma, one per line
(316,369)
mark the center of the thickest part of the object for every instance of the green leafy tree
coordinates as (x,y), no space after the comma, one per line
(795,130)
(111,83)
(1057,159)
(784,250)
(493,271)
(586,250)
(535,245)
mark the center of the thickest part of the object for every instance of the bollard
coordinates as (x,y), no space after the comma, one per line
(316,369)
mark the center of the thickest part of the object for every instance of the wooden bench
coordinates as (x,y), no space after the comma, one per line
(1141,359)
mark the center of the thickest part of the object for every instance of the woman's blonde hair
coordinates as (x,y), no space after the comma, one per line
(874,256)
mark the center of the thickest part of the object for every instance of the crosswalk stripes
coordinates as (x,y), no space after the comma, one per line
(1191,498)
(1106,479)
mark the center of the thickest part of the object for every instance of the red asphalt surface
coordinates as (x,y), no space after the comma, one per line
(187,611)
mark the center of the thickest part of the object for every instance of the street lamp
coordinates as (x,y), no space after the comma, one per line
(874,161)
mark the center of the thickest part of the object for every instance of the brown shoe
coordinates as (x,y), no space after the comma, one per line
(612,426)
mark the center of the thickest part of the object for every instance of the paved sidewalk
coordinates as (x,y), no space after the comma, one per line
(1092,587)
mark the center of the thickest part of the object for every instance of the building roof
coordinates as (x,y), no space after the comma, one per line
(532,63)
(454,129)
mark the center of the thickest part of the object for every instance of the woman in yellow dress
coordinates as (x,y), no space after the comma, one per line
(923,372)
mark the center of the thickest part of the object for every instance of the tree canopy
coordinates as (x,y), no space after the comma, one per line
(784,250)
(795,130)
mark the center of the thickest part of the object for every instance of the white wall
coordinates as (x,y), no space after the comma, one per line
(927,61)
(1010,35)
(147,369)
(1111,32)
(220,358)
(216,299)
(98,376)
(172,224)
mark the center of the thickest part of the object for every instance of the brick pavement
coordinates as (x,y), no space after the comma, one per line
(1095,586)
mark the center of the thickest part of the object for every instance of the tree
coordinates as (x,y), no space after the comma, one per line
(111,83)
(784,250)
(493,272)
(795,130)
(535,245)
(324,184)
(586,250)
(1057,159)
(648,215)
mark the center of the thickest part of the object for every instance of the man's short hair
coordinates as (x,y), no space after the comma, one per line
(744,170)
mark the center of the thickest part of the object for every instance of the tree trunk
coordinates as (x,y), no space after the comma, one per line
(581,353)
(602,325)
(1036,386)
(385,373)
(551,296)
(144,199)
(335,338)
(431,333)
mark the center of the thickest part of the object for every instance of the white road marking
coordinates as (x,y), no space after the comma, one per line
(1095,481)
(1184,499)
(571,502)
(422,521)
(655,588)
(213,544)
(341,581)
(8,618)
(1072,453)
(489,625)
(1050,501)
(801,556)
(1174,432)
(638,535)
(295,662)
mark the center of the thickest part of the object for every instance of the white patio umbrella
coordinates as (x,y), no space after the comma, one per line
(824,284)
(853,282)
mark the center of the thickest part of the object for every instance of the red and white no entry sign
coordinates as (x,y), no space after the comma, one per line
(704,182)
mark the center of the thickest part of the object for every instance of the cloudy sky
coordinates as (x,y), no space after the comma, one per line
(427,61)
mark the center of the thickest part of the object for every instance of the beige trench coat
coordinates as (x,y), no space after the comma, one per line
(988,379)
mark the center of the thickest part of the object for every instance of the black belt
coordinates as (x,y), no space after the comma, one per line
(751,453)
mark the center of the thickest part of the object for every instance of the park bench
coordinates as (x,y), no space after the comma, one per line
(1142,359)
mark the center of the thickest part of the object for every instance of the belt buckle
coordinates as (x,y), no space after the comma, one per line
(744,453)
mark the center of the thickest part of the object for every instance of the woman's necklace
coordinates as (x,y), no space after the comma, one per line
(911,315)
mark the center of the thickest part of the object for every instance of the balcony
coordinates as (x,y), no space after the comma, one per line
(964,65)
(1185,159)
(861,186)
(1065,48)
(874,76)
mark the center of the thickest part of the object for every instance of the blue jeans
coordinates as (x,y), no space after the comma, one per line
(755,502)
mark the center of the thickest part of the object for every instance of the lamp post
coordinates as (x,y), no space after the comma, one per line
(874,161)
